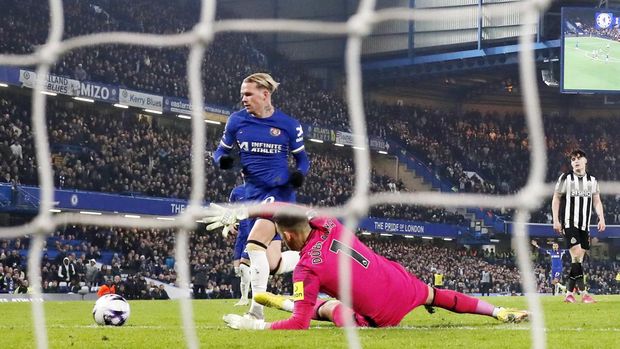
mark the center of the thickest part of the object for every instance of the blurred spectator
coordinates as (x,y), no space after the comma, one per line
(200,279)
(91,272)
(22,288)
(107,288)
(66,271)
(486,280)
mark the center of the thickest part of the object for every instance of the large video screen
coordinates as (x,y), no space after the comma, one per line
(590,50)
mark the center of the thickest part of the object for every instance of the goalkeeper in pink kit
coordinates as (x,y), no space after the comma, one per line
(383,291)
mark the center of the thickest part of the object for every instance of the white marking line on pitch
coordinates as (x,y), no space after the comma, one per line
(407,328)
(131,327)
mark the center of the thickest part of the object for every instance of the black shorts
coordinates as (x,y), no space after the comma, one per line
(575,236)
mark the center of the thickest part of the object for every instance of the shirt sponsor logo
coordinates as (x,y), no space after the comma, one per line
(260,147)
(581,193)
(298,291)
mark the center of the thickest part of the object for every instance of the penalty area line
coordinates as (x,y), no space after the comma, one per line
(503,327)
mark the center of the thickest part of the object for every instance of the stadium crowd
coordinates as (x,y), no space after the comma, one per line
(449,143)
(134,258)
(135,155)
(143,157)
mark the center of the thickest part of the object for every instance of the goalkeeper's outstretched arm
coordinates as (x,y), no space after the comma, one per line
(227,216)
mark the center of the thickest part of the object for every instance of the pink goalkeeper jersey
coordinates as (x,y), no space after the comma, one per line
(383,291)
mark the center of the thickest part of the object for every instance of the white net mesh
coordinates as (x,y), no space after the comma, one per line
(355,29)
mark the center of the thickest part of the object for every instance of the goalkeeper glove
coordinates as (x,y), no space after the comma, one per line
(224,217)
(296,179)
(239,322)
(226,162)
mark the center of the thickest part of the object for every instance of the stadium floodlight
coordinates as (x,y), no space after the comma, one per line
(212,122)
(91,213)
(183,116)
(427,238)
(366,233)
(339,145)
(385,234)
(53,94)
(315,140)
(494,240)
(409,236)
(382,152)
(358,148)
(55,210)
(3,85)
(447,239)
(152,111)
(82,99)
(121,106)
(132,216)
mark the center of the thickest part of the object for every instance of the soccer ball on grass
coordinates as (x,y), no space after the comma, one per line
(112,310)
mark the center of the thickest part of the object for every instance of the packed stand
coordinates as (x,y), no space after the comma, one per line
(460,266)
(136,155)
(91,255)
(228,59)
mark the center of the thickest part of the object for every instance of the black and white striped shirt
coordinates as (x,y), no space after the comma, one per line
(576,203)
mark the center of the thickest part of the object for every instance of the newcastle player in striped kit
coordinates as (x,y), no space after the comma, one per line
(575,194)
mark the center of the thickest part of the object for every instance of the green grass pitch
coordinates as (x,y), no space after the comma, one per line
(156,324)
(585,71)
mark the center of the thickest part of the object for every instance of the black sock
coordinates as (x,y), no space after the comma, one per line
(580,285)
(578,274)
(575,273)
(571,285)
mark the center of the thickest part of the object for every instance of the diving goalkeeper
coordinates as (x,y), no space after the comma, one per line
(319,241)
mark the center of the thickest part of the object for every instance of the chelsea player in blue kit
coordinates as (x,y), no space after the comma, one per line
(265,136)
(556,254)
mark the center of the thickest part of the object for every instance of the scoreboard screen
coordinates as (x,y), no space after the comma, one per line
(590,50)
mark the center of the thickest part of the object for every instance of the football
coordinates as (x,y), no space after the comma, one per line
(112,310)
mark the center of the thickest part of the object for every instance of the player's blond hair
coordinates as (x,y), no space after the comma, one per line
(263,80)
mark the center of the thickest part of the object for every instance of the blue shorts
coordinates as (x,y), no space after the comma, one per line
(267,195)
(262,194)
(555,274)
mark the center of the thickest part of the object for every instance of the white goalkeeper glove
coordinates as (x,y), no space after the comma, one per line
(239,322)
(224,217)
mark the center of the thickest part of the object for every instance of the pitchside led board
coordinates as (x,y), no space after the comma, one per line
(590,50)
